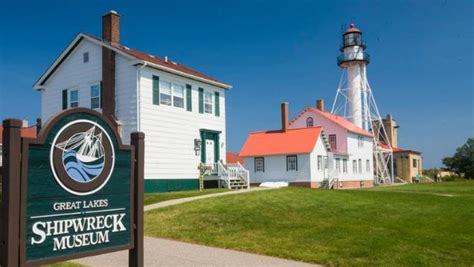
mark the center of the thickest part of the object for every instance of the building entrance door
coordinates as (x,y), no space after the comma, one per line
(210,151)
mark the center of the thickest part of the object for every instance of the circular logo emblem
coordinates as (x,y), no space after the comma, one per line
(82,157)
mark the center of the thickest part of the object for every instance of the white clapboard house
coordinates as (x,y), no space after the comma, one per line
(315,149)
(180,110)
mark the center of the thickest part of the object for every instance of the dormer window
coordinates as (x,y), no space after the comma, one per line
(309,122)
(85,57)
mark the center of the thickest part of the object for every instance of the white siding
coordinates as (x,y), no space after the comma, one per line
(275,169)
(364,153)
(170,131)
(319,150)
(126,96)
(72,74)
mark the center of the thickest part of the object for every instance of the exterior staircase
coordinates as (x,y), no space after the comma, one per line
(230,176)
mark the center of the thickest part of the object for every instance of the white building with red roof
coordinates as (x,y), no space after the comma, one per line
(295,156)
(351,147)
(315,149)
(181,111)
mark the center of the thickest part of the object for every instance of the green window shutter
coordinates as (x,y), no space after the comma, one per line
(64,99)
(217,104)
(156,90)
(189,98)
(201,100)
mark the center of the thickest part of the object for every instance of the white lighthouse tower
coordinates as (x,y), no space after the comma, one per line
(355,102)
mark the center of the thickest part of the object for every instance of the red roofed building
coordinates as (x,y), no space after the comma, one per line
(182,111)
(351,148)
(295,156)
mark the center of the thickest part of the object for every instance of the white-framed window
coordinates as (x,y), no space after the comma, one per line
(338,165)
(360,166)
(178,95)
(326,163)
(208,102)
(344,165)
(320,163)
(73,98)
(259,164)
(360,141)
(309,122)
(354,166)
(95,96)
(367,165)
(165,93)
(292,163)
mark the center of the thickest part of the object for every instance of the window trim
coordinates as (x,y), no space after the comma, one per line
(335,141)
(360,166)
(210,103)
(296,162)
(344,166)
(172,93)
(367,165)
(309,122)
(320,162)
(99,96)
(354,166)
(255,164)
(360,141)
(69,102)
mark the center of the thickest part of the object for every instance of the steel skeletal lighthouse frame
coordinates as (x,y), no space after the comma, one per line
(355,102)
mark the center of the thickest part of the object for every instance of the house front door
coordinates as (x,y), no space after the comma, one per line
(210,152)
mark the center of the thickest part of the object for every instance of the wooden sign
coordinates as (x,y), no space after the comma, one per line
(79,191)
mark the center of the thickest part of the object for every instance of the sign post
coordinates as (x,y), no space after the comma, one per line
(75,191)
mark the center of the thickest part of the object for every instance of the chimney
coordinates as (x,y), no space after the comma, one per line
(320,104)
(284,116)
(111,27)
(110,34)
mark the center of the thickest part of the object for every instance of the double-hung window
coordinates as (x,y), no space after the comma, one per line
(309,122)
(354,166)
(259,164)
(332,142)
(344,165)
(208,102)
(360,166)
(292,163)
(95,96)
(165,93)
(178,96)
(414,163)
(360,141)
(320,163)
(73,98)
(367,165)
(338,165)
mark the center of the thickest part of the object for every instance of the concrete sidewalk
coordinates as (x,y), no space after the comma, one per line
(163,252)
(188,199)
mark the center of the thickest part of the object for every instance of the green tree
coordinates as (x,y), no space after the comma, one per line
(463,160)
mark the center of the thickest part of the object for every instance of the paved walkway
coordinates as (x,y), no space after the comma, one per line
(162,252)
(188,199)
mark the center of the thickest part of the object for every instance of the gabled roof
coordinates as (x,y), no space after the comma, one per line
(233,158)
(349,126)
(141,57)
(293,141)
(25,132)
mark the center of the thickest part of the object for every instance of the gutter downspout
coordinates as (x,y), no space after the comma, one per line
(143,65)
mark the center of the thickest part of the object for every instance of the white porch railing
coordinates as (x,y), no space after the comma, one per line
(232,175)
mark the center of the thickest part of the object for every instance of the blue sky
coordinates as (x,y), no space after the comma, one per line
(421,68)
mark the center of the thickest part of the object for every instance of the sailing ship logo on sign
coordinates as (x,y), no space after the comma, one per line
(82,157)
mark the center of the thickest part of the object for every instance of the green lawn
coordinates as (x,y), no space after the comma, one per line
(151,198)
(422,224)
